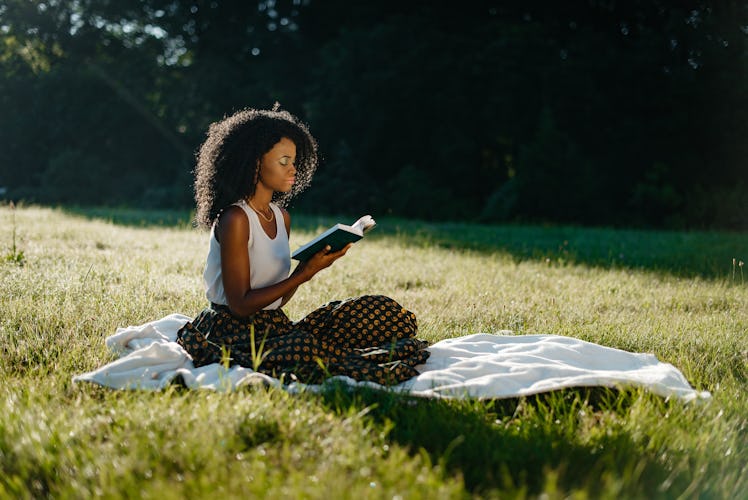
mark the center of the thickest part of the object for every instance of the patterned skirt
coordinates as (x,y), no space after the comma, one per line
(366,338)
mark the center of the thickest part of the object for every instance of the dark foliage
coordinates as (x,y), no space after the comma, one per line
(591,112)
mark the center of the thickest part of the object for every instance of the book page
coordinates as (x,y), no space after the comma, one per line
(364,223)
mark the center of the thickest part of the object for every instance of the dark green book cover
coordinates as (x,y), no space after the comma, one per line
(337,237)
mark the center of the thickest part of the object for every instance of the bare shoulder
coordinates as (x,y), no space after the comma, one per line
(232,225)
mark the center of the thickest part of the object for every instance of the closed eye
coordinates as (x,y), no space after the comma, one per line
(285,161)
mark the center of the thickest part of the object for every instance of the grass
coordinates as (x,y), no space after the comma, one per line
(85,273)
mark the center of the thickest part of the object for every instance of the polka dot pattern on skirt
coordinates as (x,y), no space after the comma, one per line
(366,338)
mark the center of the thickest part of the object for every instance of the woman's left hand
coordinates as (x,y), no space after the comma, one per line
(321,260)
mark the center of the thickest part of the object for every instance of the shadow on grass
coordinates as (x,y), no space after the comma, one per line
(134,217)
(679,253)
(520,445)
(685,254)
(688,254)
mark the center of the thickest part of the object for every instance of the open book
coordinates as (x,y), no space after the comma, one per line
(337,237)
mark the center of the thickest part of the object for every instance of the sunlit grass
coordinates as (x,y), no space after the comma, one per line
(86,273)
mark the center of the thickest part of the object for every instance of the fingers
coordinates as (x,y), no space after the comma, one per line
(325,252)
(324,258)
(340,252)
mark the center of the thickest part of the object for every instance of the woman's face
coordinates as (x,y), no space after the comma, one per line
(277,169)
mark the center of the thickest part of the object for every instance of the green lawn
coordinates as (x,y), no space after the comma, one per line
(76,275)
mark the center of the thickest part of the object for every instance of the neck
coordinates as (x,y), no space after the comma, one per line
(261,199)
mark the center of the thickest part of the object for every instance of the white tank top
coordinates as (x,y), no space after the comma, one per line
(269,259)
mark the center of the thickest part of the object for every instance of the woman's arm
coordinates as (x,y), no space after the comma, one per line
(233,234)
(287,222)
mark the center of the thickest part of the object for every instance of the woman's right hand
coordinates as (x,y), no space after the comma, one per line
(321,260)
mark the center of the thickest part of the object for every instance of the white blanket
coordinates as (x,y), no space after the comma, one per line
(476,366)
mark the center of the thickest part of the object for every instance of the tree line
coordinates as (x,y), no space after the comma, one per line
(587,112)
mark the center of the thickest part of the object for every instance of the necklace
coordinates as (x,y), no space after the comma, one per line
(262,214)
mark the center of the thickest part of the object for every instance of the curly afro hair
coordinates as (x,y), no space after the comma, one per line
(230,157)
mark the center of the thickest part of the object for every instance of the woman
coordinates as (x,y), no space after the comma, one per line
(250,165)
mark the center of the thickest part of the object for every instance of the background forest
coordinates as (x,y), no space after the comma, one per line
(586,112)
